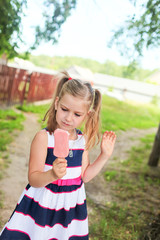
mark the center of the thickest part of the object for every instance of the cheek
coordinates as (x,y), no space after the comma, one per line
(81,120)
(58,114)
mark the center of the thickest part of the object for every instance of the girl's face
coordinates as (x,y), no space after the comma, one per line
(71,112)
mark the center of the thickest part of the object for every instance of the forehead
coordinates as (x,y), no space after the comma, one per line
(74,103)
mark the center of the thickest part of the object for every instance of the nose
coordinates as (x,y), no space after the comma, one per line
(68,116)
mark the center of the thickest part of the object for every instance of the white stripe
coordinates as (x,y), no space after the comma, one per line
(72,172)
(26,224)
(65,200)
(50,140)
(73,144)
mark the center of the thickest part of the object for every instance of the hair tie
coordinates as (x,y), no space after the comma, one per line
(69,78)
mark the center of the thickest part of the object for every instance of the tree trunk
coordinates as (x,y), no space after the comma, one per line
(155,154)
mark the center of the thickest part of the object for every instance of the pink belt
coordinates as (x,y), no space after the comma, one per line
(68,182)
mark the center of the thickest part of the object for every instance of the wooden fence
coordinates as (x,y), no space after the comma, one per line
(17,85)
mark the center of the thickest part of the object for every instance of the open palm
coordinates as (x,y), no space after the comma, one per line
(107,143)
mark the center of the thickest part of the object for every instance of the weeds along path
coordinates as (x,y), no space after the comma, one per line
(15,177)
(98,189)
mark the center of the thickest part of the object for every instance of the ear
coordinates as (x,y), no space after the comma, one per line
(56,103)
(89,112)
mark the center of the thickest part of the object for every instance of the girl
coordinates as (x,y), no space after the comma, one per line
(53,205)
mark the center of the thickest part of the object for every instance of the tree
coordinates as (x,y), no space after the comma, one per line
(55,14)
(141,30)
(155,154)
(11,12)
(10,20)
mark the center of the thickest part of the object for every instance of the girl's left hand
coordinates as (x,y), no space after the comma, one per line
(107,143)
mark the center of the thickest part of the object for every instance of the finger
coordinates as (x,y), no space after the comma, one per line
(105,134)
(61,160)
(112,135)
(62,165)
(63,171)
(114,138)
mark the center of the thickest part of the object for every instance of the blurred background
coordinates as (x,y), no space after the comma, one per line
(115,45)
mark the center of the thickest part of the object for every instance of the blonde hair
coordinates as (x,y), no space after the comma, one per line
(82,90)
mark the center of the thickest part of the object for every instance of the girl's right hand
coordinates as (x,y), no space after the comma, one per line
(59,167)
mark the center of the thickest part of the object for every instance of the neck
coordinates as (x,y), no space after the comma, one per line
(73,135)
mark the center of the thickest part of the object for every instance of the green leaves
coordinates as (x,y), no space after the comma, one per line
(11,12)
(55,14)
(140,31)
(10,21)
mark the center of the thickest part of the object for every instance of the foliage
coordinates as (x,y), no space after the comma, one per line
(55,14)
(11,12)
(109,67)
(140,30)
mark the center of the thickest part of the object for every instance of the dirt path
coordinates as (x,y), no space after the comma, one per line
(16,175)
(15,178)
(98,189)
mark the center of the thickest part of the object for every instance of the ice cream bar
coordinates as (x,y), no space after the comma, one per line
(61,143)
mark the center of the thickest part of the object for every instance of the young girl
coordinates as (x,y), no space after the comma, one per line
(53,205)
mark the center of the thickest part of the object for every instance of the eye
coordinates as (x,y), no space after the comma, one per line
(77,115)
(64,109)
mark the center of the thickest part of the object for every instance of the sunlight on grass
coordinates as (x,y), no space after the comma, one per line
(116,115)
(40,110)
(136,189)
(9,121)
(130,180)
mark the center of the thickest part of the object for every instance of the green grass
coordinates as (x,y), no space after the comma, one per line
(130,180)
(135,189)
(113,223)
(116,115)
(9,121)
(109,175)
(40,110)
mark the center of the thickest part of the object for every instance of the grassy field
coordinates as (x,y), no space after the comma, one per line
(9,122)
(118,115)
(135,187)
(135,190)
(115,115)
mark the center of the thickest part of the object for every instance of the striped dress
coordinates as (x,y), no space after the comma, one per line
(58,210)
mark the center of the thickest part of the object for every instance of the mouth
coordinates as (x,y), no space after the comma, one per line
(66,124)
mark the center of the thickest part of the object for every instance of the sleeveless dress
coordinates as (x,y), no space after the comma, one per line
(57,211)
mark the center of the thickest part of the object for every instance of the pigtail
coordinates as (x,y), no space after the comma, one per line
(92,124)
(51,113)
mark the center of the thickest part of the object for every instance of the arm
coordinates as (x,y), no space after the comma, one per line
(89,171)
(36,175)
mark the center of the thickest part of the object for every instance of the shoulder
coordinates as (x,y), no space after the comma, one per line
(41,137)
(41,134)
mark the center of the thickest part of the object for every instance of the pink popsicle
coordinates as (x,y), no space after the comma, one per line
(61,143)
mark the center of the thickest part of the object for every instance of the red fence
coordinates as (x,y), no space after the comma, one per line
(41,86)
(17,85)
